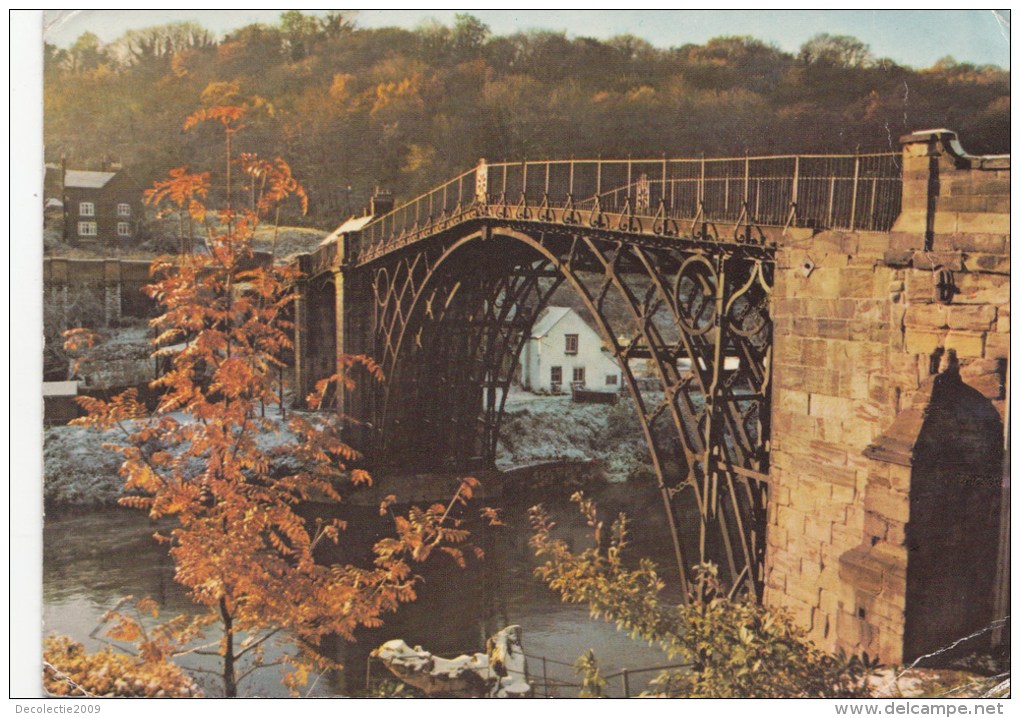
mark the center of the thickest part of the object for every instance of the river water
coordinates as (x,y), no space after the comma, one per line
(93,559)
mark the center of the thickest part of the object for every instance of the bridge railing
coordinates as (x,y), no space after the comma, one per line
(852,192)
(449,202)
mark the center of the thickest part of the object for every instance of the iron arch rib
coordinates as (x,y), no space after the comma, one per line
(452,315)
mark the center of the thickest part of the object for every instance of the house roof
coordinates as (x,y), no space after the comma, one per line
(86,179)
(547,320)
(354,224)
(60,388)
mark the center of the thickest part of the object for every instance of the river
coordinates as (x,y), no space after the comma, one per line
(92,559)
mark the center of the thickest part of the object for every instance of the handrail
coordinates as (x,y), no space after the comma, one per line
(734,158)
(856,192)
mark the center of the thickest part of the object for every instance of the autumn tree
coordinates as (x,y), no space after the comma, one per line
(835,51)
(475,94)
(239,542)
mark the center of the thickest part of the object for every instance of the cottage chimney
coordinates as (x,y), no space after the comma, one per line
(382,202)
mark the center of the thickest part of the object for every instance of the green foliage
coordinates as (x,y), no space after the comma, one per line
(733,648)
(835,50)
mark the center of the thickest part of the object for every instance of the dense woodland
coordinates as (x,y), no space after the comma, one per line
(354,108)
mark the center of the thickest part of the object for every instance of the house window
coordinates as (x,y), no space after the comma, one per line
(123,229)
(87,209)
(611,379)
(123,209)
(579,375)
(556,374)
(571,343)
(87,229)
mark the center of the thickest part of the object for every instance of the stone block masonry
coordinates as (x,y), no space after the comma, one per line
(116,285)
(889,383)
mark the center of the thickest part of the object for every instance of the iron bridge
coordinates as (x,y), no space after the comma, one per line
(443,292)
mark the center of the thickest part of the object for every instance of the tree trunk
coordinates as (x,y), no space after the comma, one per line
(229,672)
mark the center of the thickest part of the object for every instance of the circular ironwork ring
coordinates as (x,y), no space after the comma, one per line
(695,293)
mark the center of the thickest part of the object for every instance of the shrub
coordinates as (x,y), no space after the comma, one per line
(732,648)
(68,670)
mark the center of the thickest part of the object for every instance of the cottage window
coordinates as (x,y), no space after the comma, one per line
(87,209)
(123,209)
(579,375)
(123,229)
(611,379)
(87,229)
(571,343)
(556,374)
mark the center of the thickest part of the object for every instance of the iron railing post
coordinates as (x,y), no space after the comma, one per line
(757,198)
(629,181)
(832,197)
(545,671)
(626,683)
(747,175)
(663,195)
(570,184)
(598,176)
(672,193)
(796,179)
(871,209)
(726,197)
(701,183)
(853,198)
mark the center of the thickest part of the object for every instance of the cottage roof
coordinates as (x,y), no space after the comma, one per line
(354,224)
(60,388)
(547,320)
(86,179)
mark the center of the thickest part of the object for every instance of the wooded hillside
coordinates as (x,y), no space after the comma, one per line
(352,108)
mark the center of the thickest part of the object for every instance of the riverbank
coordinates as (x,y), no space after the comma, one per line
(79,471)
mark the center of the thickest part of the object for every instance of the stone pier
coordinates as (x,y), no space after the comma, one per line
(890,364)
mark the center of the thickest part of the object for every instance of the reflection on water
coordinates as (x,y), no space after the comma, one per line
(92,560)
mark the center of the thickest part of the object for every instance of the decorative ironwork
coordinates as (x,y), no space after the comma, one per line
(452,316)
(456,278)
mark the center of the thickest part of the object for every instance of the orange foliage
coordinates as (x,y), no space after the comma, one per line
(239,545)
(68,670)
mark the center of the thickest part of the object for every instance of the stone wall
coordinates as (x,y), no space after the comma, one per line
(861,326)
(116,285)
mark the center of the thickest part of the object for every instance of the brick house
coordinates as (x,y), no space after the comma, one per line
(101,208)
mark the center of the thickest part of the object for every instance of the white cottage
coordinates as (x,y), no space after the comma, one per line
(563,351)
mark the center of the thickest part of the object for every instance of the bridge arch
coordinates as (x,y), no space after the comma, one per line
(451,322)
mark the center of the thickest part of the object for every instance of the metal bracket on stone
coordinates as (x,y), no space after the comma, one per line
(807,266)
